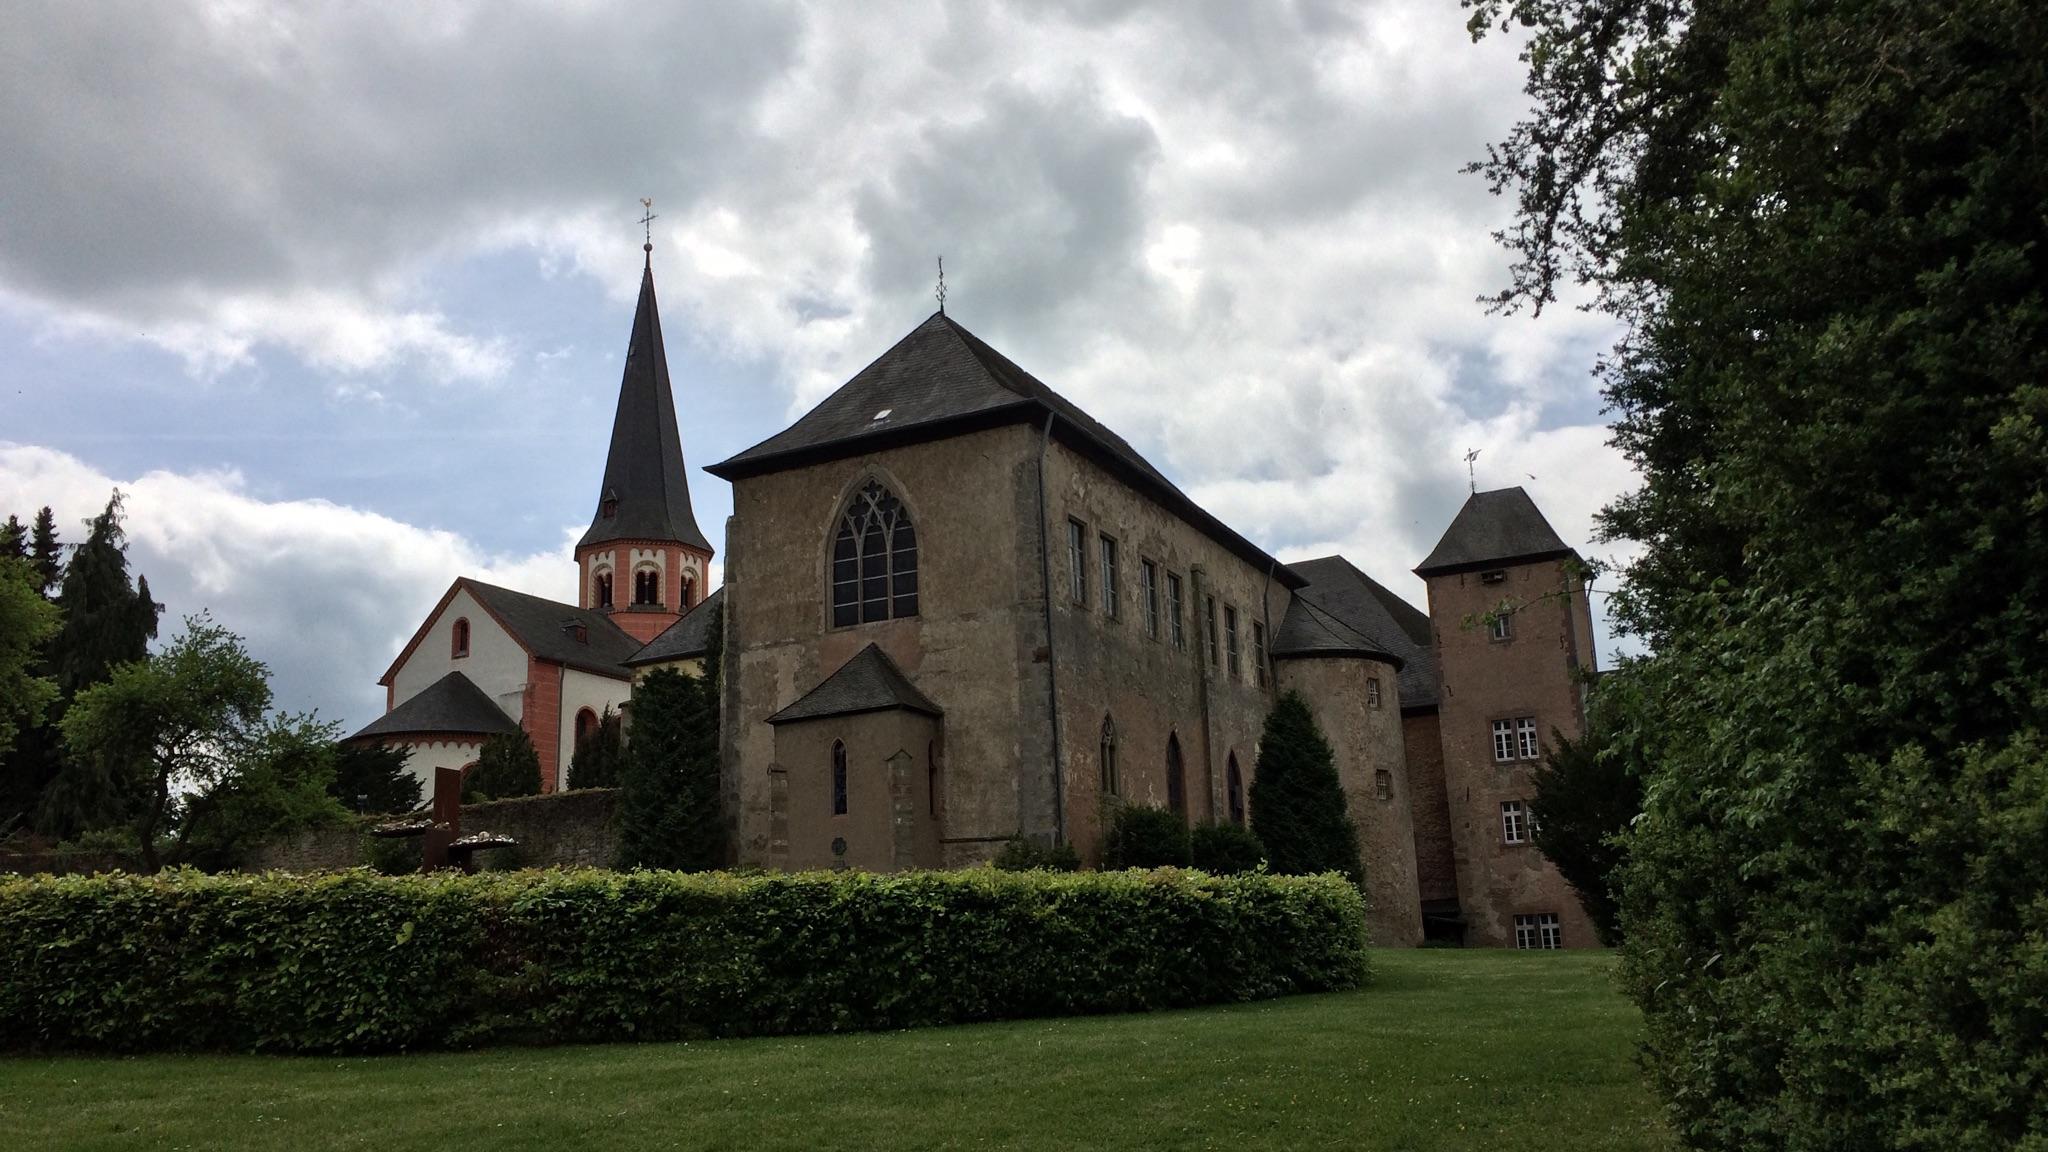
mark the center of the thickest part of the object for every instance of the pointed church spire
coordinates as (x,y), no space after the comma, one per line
(645,494)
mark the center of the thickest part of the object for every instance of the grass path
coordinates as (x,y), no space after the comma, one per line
(1447,1050)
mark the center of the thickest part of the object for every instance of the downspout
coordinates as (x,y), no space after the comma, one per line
(1052,664)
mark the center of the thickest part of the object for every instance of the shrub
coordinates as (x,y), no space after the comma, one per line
(600,757)
(1225,849)
(1297,799)
(508,766)
(1026,855)
(393,856)
(352,961)
(1141,837)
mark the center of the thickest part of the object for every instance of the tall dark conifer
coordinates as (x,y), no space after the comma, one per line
(45,552)
(668,803)
(1297,798)
(13,539)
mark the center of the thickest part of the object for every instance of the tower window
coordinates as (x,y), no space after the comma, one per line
(874,560)
(838,778)
(458,640)
(1515,739)
(1514,828)
(1525,733)
(689,592)
(604,589)
(1502,626)
(647,587)
(1383,784)
(1372,691)
(1109,777)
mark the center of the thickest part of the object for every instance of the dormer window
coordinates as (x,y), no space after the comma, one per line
(458,640)
(608,505)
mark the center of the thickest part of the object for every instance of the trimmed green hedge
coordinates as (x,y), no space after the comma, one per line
(354,961)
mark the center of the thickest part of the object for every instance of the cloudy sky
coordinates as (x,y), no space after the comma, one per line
(339,297)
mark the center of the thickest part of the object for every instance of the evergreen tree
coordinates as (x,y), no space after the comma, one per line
(13,539)
(1820,223)
(669,814)
(45,552)
(374,778)
(508,766)
(1297,800)
(107,621)
(600,756)
(1587,794)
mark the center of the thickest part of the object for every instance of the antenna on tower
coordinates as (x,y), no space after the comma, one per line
(647,226)
(941,293)
(1471,474)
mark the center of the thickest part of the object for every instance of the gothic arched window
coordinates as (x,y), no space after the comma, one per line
(1176,778)
(838,778)
(1109,777)
(874,560)
(458,639)
(1234,780)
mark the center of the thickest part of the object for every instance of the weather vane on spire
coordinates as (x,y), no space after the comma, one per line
(1471,474)
(941,293)
(647,226)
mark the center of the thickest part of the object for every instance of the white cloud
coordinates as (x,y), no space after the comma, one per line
(323,593)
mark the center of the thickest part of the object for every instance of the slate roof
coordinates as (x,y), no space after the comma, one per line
(1308,630)
(690,636)
(1372,610)
(870,682)
(942,380)
(1494,528)
(453,704)
(644,469)
(540,625)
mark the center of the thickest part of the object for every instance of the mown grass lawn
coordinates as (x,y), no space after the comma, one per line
(1445,1050)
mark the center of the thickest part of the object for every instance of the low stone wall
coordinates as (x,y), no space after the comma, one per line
(563,829)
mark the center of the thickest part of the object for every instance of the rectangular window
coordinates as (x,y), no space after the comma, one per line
(1513,829)
(1230,640)
(1503,741)
(1148,590)
(1109,597)
(1259,652)
(1525,732)
(1383,783)
(1211,613)
(1538,931)
(1077,561)
(1502,626)
(1173,612)
(1372,692)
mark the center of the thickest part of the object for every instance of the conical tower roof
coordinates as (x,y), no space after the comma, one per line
(646,493)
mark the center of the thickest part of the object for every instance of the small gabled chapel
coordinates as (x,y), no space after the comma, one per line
(958,610)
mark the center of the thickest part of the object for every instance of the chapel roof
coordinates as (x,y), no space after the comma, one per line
(1374,611)
(870,682)
(1492,529)
(942,380)
(452,705)
(545,628)
(645,485)
(686,638)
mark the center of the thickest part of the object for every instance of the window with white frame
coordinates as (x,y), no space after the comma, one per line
(1538,931)
(1110,604)
(1372,691)
(1259,652)
(1514,738)
(1525,736)
(1148,590)
(1514,822)
(1503,741)
(1383,783)
(1502,626)
(1230,639)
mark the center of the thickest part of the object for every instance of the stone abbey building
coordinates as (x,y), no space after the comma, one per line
(957,610)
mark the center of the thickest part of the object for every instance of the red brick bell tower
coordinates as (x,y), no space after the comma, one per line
(644,559)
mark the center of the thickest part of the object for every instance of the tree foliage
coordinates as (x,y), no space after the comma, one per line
(26,622)
(374,778)
(1588,792)
(1297,800)
(508,766)
(600,758)
(45,551)
(669,815)
(277,784)
(178,719)
(1143,837)
(1821,226)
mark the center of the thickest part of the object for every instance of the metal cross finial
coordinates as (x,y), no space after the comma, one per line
(942,286)
(647,224)
(1472,474)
